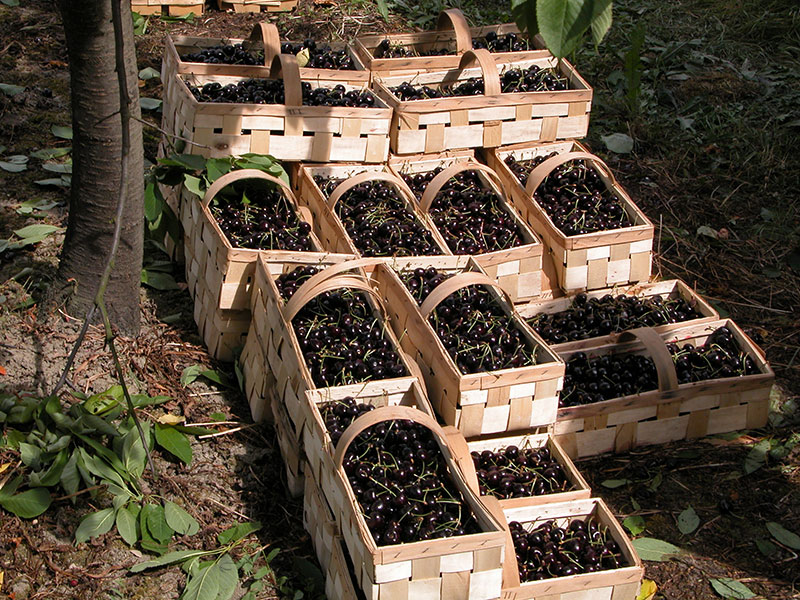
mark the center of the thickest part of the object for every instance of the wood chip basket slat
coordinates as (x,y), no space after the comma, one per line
(254,6)
(614,584)
(340,581)
(687,411)
(672,289)
(175,8)
(487,120)
(285,131)
(319,522)
(517,270)
(480,403)
(589,261)
(468,566)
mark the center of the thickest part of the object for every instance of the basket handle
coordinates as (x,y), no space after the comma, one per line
(333,270)
(235,176)
(491,78)
(667,377)
(538,175)
(387,413)
(461,454)
(267,33)
(510,566)
(299,300)
(438,182)
(348,184)
(453,18)
(285,67)
(449,286)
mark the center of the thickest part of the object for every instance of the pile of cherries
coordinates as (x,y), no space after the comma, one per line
(549,550)
(378,222)
(588,380)
(260,218)
(341,340)
(509,42)
(403,485)
(472,326)
(593,317)
(469,214)
(574,196)
(320,57)
(515,472)
(338,414)
(271,91)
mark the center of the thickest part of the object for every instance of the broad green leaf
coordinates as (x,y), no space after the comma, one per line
(614,483)
(157,524)
(168,559)
(193,162)
(149,73)
(601,20)
(58,167)
(62,131)
(33,234)
(190,374)
(194,185)
(126,525)
(95,524)
(10,89)
(174,442)
(562,23)
(309,572)
(237,532)
(10,487)
(204,585)
(152,203)
(653,549)
(50,153)
(97,466)
(766,547)
(150,103)
(134,456)
(524,14)
(70,478)
(27,504)
(63,181)
(620,143)
(730,588)
(140,400)
(216,168)
(634,524)
(30,455)
(688,521)
(13,167)
(784,536)
(39,204)
(52,475)
(158,280)
(10,2)
(180,520)
(228,576)
(216,377)
(656,482)
(383,9)
(757,457)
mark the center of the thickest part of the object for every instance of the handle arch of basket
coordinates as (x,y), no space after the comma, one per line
(348,184)
(379,415)
(657,349)
(453,18)
(455,283)
(540,173)
(268,35)
(330,272)
(510,566)
(491,77)
(234,176)
(285,67)
(438,182)
(463,457)
(298,300)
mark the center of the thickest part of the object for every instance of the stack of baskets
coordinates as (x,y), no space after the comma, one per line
(410,153)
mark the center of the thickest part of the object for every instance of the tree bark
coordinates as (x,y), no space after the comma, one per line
(96,156)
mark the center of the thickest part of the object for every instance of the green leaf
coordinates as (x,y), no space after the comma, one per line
(203,585)
(656,482)
(174,442)
(126,525)
(62,131)
(134,456)
(601,20)
(7,88)
(614,483)
(238,531)
(216,168)
(28,504)
(619,143)
(70,478)
(94,525)
(157,524)
(50,153)
(562,23)
(757,457)
(53,474)
(9,488)
(150,103)
(13,167)
(158,280)
(192,162)
(10,2)
(152,203)
(216,377)
(180,520)
(39,204)
(653,549)
(784,536)
(634,524)
(383,9)
(194,185)
(730,588)
(688,521)
(63,181)
(766,547)
(168,559)
(149,73)
(190,374)
(310,573)
(228,577)
(524,14)
(58,167)
(30,455)
(33,234)
(217,416)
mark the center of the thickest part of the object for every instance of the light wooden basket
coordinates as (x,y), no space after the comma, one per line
(452,32)
(339,577)
(291,452)
(175,8)
(329,228)
(468,566)
(518,270)
(673,412)
(671,289)
(593,260)
(487,120)
(288,131)
(477,404)
(251,6)
(613,584)
(319,522)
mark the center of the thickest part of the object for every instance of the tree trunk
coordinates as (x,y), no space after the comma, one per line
(96,155)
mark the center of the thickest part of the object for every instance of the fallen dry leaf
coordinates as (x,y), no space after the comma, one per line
(171,419)
(2,370)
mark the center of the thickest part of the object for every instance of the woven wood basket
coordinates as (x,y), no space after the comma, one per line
(593,260)
(671,289)
(480,403)
(518,270)
(340,581)
(251,6)
(290,131)
(452,33)
(673,412)
(319,522)
(291,452)
(174,8)
(614,584)
(468,566)
(487,120)
(580,489)
(328,226)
